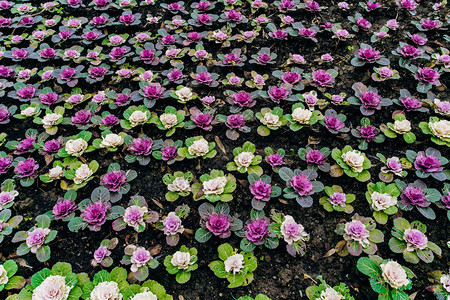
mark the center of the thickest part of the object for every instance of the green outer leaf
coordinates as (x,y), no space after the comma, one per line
(183,276)
(366,266)
(225,251)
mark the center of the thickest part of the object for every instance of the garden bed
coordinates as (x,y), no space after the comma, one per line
(279,275)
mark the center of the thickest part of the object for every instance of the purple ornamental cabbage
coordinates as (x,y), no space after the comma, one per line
(334,122)
(256,231)
(261,190)
(5,163)
(95,215)
(417,195)
(26,145)
(275,160)
(278,93)
(101,253)
(315,158)
(114,180)
(243,99)
(300,185)
(48,98)
(36,238)
(172,224)
(169,153)
(427,163)
(64,208)
(26,168)
(322,78)
(52,146)
(236,121)
(427,76)
(414,195)
(410,103)
(393,165)
(219,225)
(368,99)
(141,146)
(82,117)
(110,120)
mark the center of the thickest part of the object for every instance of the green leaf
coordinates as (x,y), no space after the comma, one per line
(378,286)
(376,236)
(396,245)
(399,295)
(366,266)
(202,235)
(15,283)
(249,147)
(39,277)
(183,276)
(141,274)
(255,169)
(82,278)
(61,268)
(363,176)
(401,223)
(409,137)
(263,131)
(119,274)
(225,251)
(336,154)
(246,245)
(10,267)
(411,257)
(171,196)
(380,217)
(218,267)
(285,173)
(101,276)
(43,253)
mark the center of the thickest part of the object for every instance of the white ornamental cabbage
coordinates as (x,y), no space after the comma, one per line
(3,275)
(271,119)
(179,184)
(330,294)
(168,120)
(244,159)
(107,290)
(382,201)
(111,140)
(138,117)
(401,127)
(181,260)
(234,263)
(29,111)
(56,172)
(354,159)
(301,115)
(199,147)
(445,281)
(394,274)
(50,120)
(215,186)
(185,94)
(441,129)
(145,296)
(82,174)
(76,147)
(52,288)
